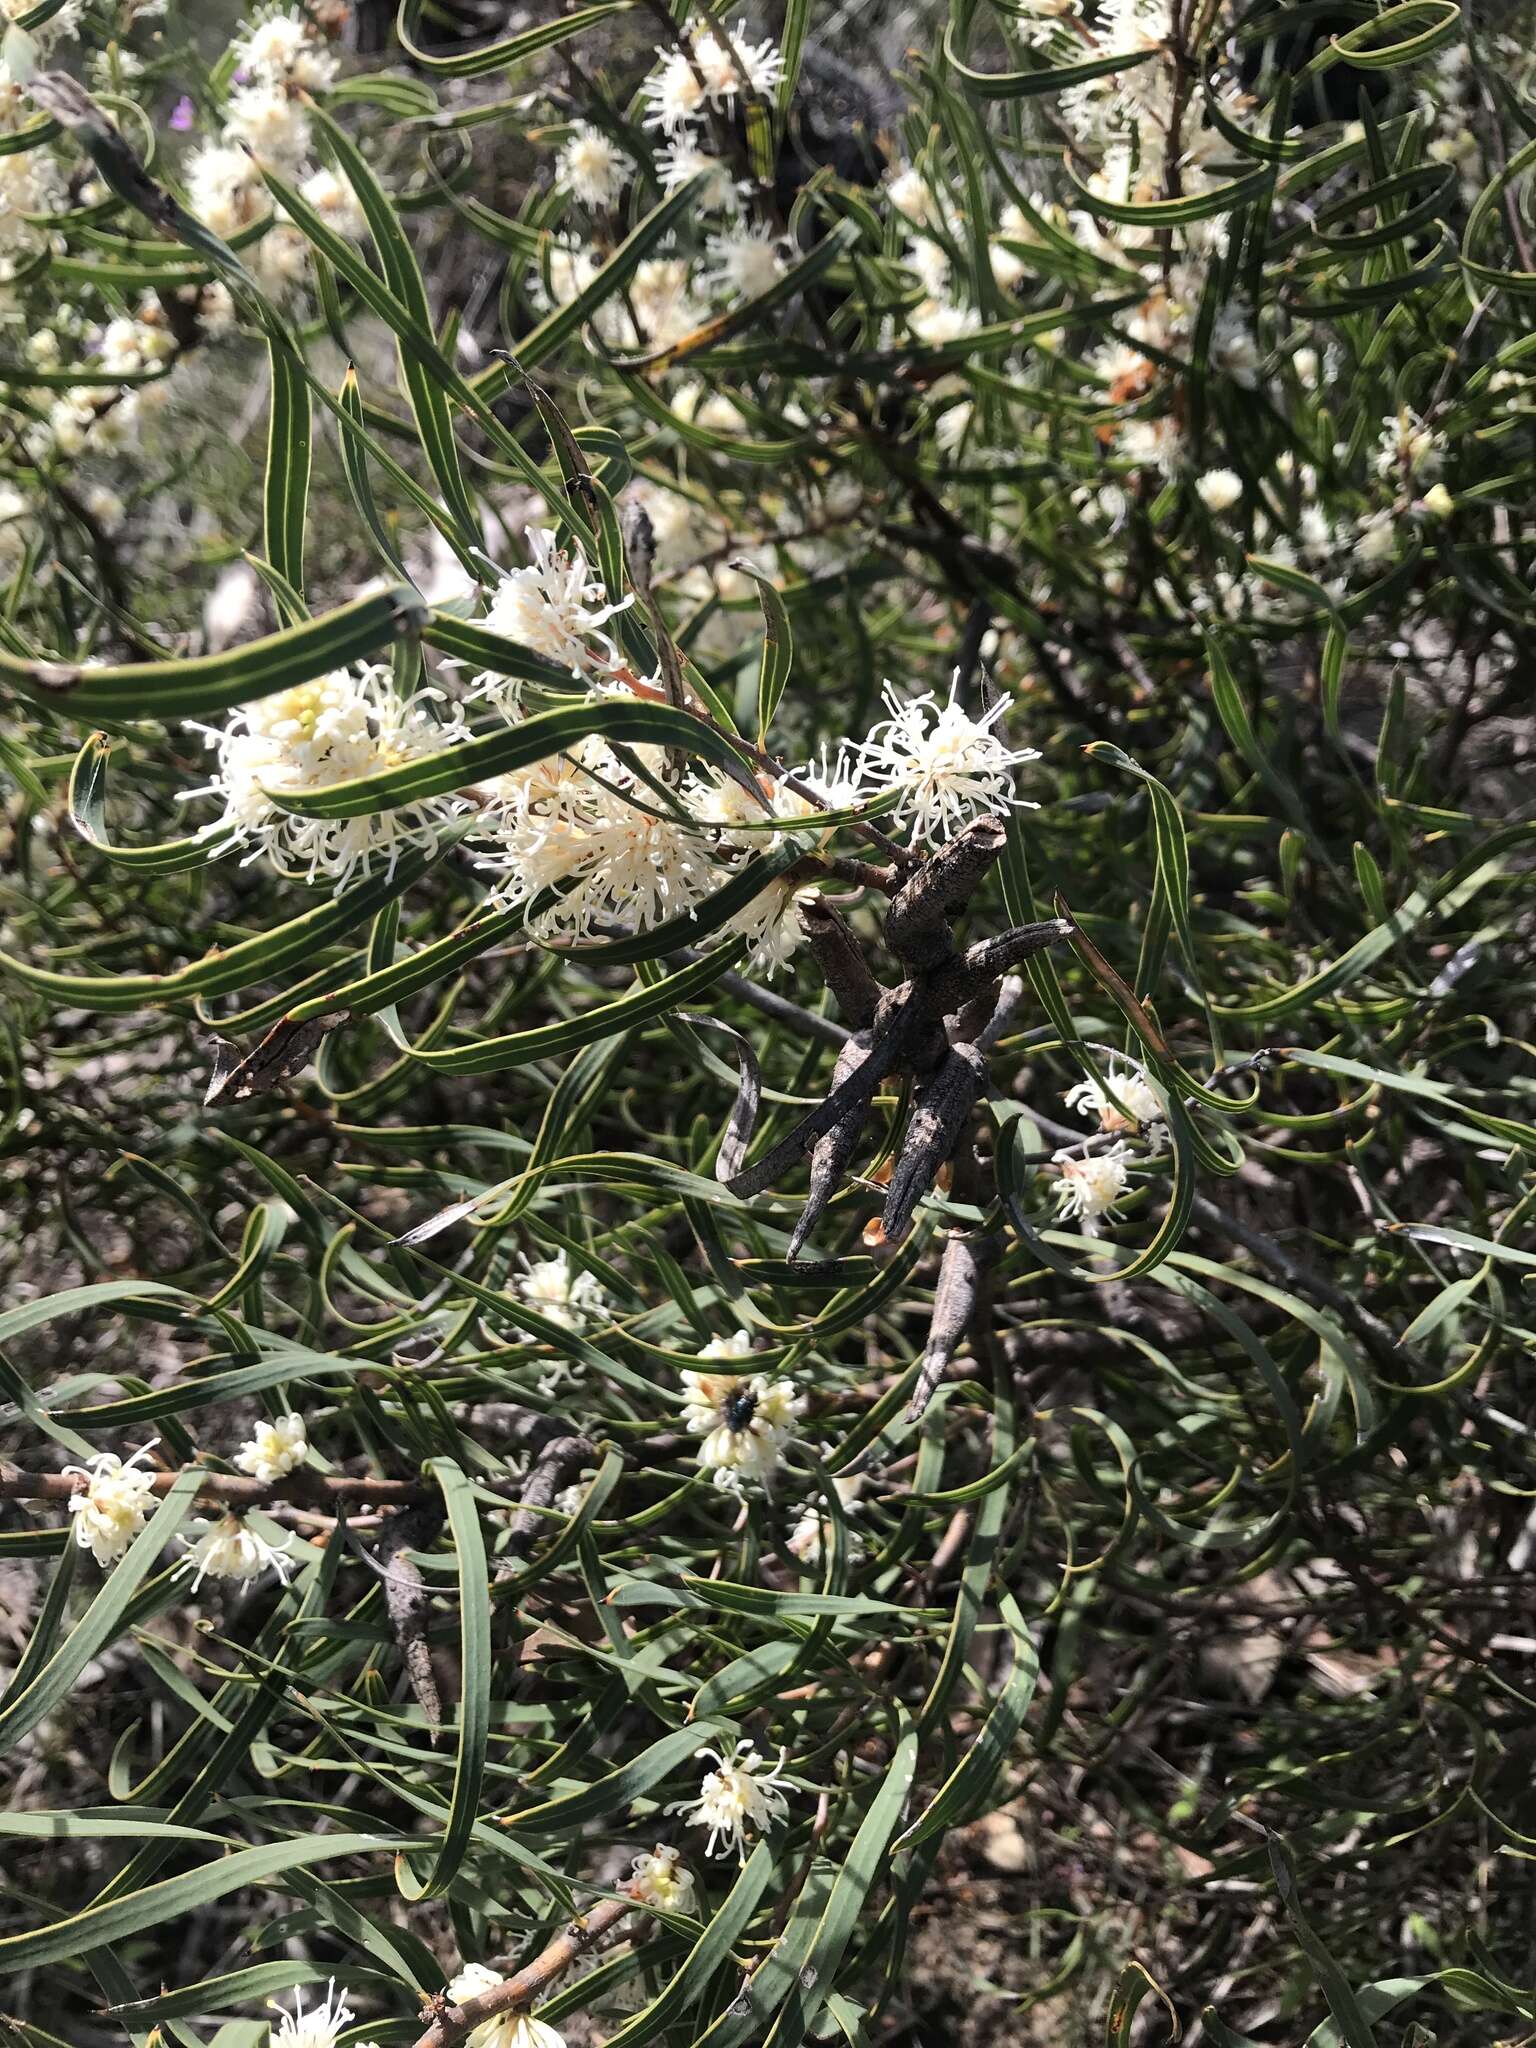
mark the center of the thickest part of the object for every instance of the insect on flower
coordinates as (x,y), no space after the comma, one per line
(745,1421)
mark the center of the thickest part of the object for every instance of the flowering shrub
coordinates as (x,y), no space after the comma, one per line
(765,938)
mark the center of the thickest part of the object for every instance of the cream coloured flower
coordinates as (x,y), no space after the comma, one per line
(556,607)
(1041,19)
(504,2030)
(1408,445)
(471,1981)
(675,521)
(1219,489)
(316,2029)
(283,48)
(228,1549)
(333,729)
(745,1420)
(707,75)
(274,1449)
(737,1345)
(717,56)
(674,94)
(571,1299)
(1155,443)
(111,1508)
(271,45)
(281,260)
(1088,1188)
(618,864)
(272,126)
(661,294)
(739,1793)
(658,1879)
(1376,541)
(105,507)
(564,270)
(598,840)
(683,159)
(929,261)
(771,922)
(592,166)
(335,201)
(224,189)
(1007,265)
(946,766)
(1140,1109)
(813,1531)
(909,193)
(747,262)
(939,321)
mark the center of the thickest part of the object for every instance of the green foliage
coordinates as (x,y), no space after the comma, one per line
(1164,376)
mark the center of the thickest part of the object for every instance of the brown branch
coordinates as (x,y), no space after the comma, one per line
(407,1600)
(843,966)
(228,1490)
(957,1299)
(557,1463)
(517,1994)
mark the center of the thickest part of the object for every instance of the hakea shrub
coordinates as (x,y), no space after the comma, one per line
(764,926)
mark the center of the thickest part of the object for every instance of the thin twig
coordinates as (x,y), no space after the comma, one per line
(517,1994)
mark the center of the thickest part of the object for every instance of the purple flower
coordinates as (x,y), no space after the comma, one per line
(183,114)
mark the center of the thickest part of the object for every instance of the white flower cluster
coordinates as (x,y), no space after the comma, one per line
(745,1420)
(1294,526)
(333,729)
(104,418)
(670,294)
(1126,1105)
(589,839)
(278,57)
(709,69)
(556,607)
(1089,1185)
(1139,124)
(31,185)
(937,233)
(592,166)
(945,766)
(1143,136)
(582,836)
(113,1503)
